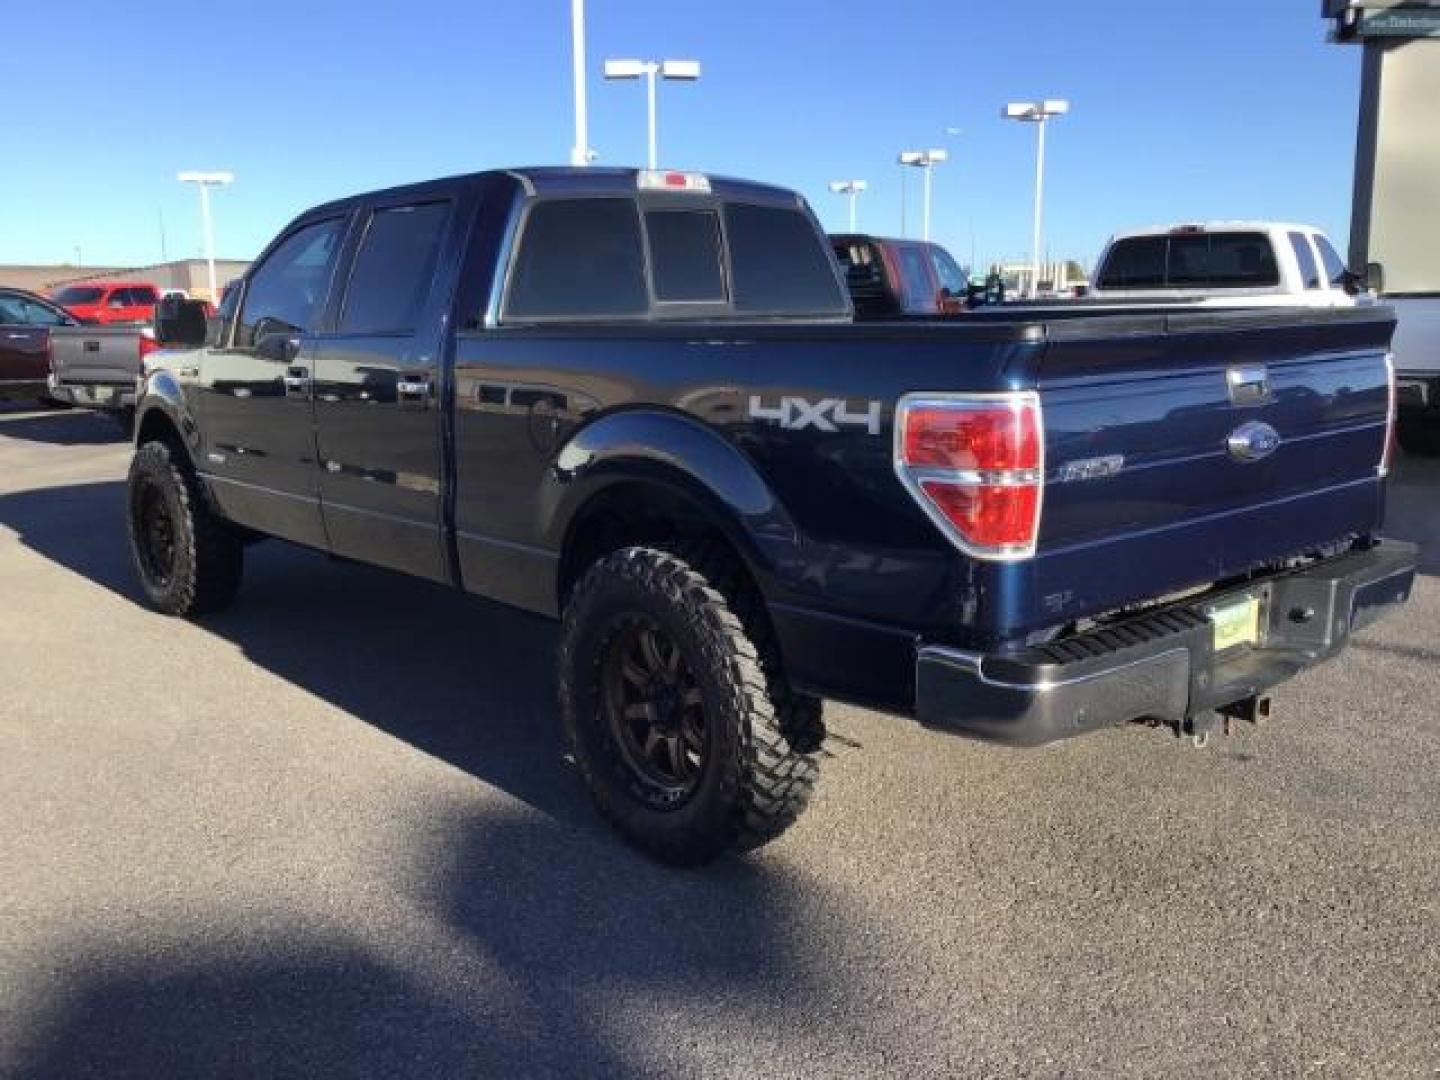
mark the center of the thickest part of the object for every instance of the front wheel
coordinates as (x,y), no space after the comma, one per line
(189,562)
(679,721)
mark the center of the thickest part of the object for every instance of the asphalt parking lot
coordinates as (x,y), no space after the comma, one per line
(330,833)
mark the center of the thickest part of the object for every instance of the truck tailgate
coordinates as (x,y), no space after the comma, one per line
(107,355)
(1194,448)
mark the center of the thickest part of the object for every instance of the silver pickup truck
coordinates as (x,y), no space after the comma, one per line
(96,367)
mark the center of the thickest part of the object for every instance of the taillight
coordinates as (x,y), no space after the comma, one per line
(1392,406)
(148,344)
(976,465)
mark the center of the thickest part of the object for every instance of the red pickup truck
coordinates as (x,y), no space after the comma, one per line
(107,302)
(899,277)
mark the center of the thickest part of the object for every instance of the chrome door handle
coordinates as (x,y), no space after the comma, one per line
(17,337)
(296,384)
(413,389)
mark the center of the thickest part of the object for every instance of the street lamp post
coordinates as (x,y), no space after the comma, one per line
(205,181)
(674,70)
(852,189)
(1038,113)
(926,160)
(580,153)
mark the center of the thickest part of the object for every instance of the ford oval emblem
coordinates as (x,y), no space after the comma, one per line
(1253,441)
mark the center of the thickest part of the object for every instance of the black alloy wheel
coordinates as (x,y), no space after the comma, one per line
(655,711)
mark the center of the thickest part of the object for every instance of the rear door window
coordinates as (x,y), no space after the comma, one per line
(286,290)
(780,262)
(579,259)
(394,269)
(1305,256)
(947,271)
(1335,267)
(685,259)
(915,274)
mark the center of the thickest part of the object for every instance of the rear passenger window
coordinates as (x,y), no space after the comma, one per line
(685,256)
(286,290)
(579,259)
(1334,265)
(915,273)
(781,267)
(1305,256)
(394,269)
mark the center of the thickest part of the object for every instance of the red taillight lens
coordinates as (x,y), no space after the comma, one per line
(148,344)
(990,515)
(976,466)
(972,439)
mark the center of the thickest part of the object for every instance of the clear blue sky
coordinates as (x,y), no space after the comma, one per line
(1182,110)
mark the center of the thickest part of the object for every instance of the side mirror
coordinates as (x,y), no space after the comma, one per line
(1374,278)
(180,322)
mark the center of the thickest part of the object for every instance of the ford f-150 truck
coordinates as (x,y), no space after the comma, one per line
(638,402)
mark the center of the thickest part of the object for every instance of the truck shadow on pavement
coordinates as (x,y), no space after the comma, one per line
(69,427)
(550,948)
(565,958)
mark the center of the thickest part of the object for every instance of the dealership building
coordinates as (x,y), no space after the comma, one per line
(191,275)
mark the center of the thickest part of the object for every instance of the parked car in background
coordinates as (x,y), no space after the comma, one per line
(638,402)
(26,324)
(109,302)
(888,277)
(1227,264)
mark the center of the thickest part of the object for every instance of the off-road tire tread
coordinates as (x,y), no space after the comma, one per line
(778,747)
(209,572)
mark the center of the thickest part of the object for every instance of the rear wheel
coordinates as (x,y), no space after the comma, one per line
(688,740)
(188,561)
(1419,435)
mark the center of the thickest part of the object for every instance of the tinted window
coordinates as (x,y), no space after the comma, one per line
(143,294)
(393,271)
(579,258)
(1235,260)
(1192,261)
(685,255)
(286,290)
(1136,263)
(78,294)
(1334,265)
(780,263)
(948,271)
(40,315)
(915,274)
(1305,256)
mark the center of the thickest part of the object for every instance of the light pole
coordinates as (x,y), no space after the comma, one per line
(675,70)
(1038,113)
(580,153)
(927,160)
(851,188)
(205,181)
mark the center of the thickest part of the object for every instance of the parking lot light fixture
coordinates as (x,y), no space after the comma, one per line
(851,189)
(1039,113)
(649,70)
(205,181)
(926,160)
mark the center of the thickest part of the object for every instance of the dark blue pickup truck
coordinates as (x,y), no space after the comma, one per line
(638,402)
